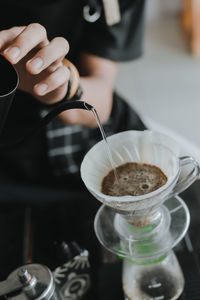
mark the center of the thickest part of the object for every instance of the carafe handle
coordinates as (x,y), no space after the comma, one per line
(187,179)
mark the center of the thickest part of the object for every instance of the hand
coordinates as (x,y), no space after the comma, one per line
(37,60)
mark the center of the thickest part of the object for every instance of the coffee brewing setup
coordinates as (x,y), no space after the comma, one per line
(143,229)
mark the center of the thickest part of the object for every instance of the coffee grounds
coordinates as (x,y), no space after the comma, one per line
(134,179)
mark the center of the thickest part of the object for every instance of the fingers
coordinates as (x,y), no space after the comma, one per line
(29,48)
(32,36)
(9,35)
(48,55)
(52,81)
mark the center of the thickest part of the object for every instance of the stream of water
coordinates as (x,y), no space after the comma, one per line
(106,142)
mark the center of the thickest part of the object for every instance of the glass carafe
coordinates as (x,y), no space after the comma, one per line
(145,242)
(161,279)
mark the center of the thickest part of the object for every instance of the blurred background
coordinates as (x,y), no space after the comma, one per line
(164,84)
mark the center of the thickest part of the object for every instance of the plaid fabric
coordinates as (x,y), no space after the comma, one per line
(67,145)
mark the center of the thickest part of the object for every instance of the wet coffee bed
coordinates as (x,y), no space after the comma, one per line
(133,179)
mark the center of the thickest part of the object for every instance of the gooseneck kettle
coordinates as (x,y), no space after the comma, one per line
(8,85)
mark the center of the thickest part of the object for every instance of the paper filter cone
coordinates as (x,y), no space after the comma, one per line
(132,146)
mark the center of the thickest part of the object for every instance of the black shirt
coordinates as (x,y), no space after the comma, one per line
(119,42)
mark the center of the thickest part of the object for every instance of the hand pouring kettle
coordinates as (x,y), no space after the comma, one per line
(8,85)
(34,282)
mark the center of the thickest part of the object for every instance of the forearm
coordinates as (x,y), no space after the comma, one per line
(97,83)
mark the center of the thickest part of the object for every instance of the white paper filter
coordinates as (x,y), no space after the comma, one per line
(131,146)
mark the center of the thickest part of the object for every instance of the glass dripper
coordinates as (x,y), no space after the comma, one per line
(143,229)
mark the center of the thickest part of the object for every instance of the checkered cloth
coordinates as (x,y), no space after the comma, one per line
(67,145)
